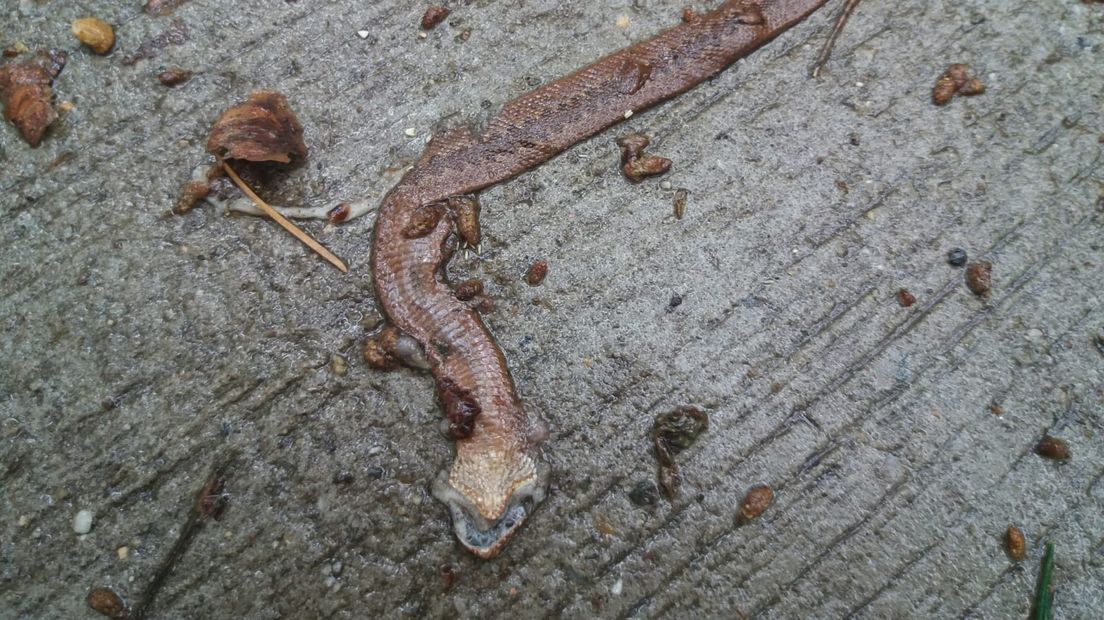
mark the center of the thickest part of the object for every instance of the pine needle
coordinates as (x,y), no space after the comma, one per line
(283,221)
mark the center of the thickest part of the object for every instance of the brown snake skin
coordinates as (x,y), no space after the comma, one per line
(496,479)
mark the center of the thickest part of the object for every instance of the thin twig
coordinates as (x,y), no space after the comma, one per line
(826,51)
(208,504)
(283,221)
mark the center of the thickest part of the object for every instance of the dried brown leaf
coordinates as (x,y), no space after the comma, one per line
(25,93)
(262,129)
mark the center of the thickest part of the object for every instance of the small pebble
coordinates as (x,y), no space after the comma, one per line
(339,365)
(956,257)
(622,21)
(410,131)
(82,522)
(363,34)
(665,185)
(336,567)
(617,587)
(95,33)
(122,552)
(23,520)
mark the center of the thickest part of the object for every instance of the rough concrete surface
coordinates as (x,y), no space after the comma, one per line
(141,350)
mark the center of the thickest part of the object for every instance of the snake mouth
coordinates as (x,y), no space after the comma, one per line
(480,536)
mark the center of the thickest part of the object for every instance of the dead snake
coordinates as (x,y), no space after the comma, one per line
(497,478)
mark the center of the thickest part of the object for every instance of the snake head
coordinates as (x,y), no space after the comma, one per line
(490,494)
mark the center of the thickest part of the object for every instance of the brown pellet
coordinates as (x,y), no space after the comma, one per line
(465,213)
(956,80)
(972,87)
(212,498)
(680,202)
(979,278)
(1015,544)
(339,213)
(434,15)
(483,304)
(448,576)
(943,91)
(905,298)
(635,165)
(378,348)
(1052,448)
(757,500)
(174,77)
(632,146)
(958,73)
(537,272)
(107,602)
(469,289)
(193,192)
(646,166)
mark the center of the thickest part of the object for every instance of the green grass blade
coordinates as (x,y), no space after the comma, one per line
(1043,597)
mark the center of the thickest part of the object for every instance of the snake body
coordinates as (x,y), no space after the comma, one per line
(497,479)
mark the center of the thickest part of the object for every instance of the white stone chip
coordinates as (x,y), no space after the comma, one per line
(82,522)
